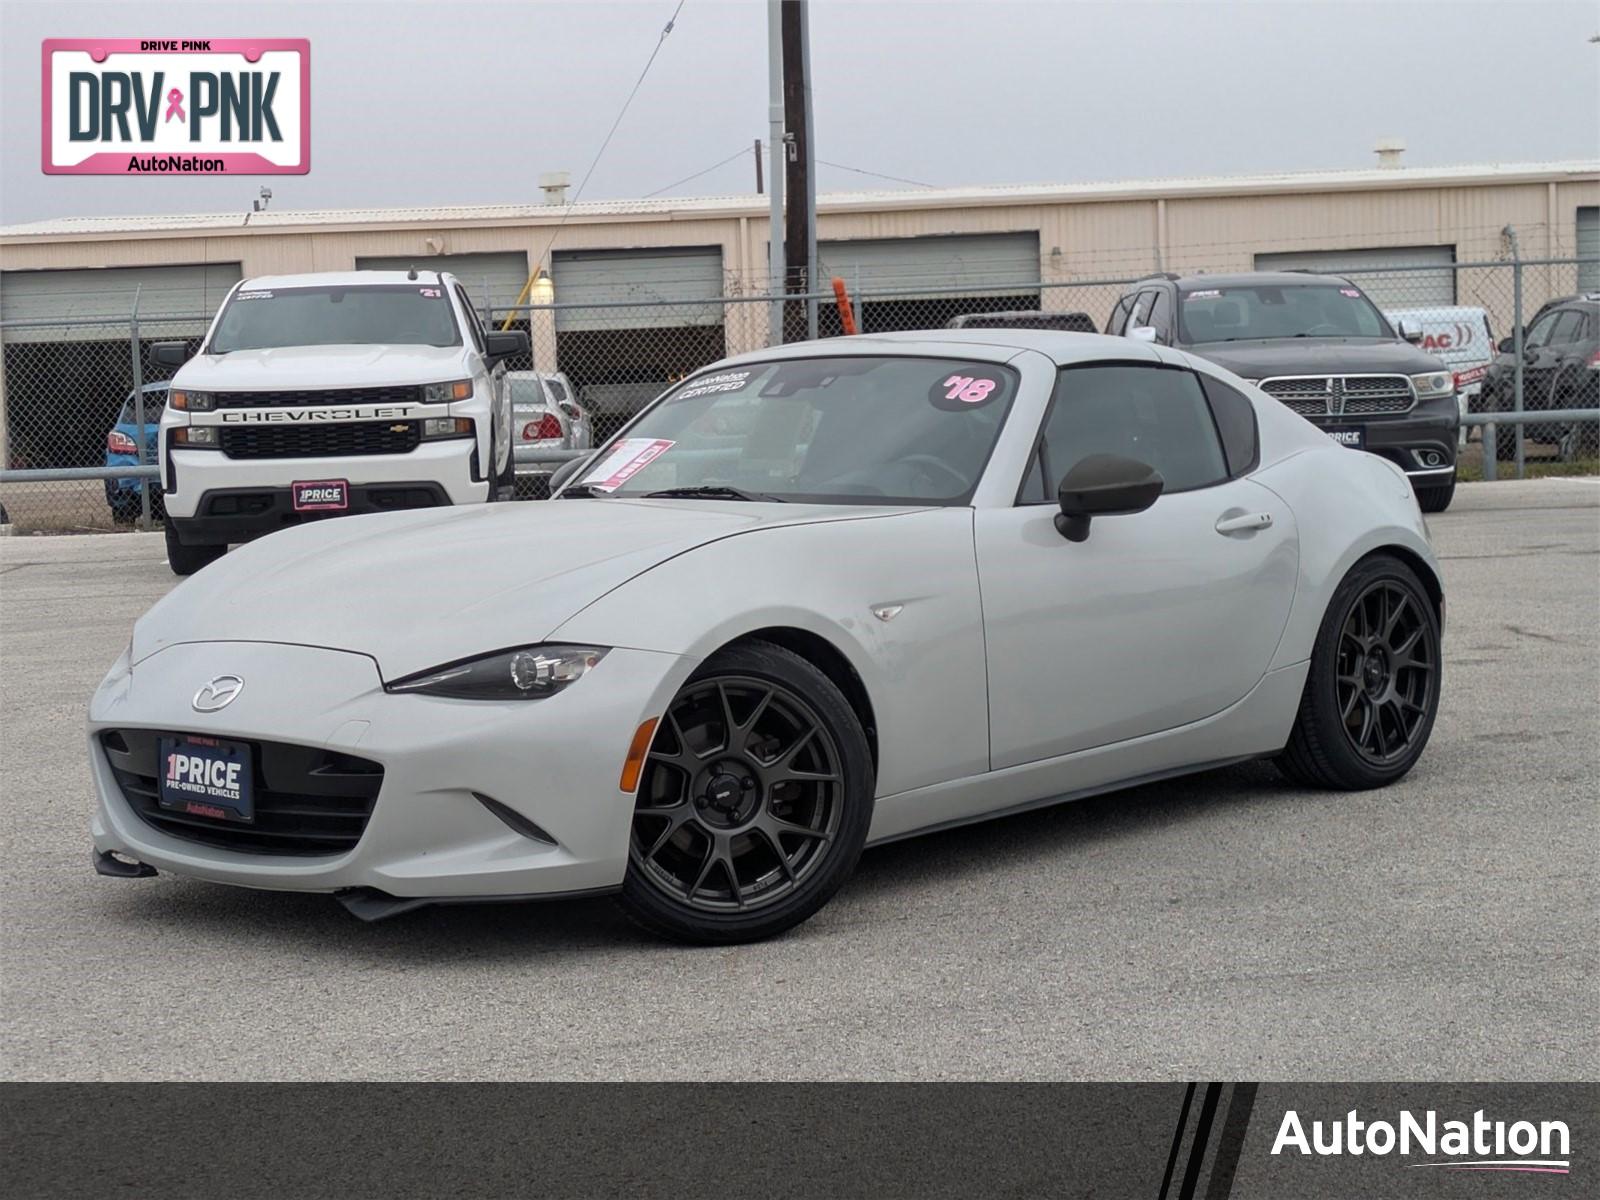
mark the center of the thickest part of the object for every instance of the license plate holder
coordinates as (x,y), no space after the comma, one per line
(320,495)
(205,777)
(1351,437)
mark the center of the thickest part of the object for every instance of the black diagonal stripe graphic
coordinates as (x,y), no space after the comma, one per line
(1202,1135)
(1177,1141)
(1231,1144)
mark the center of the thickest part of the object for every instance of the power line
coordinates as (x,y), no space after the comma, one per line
(875,174)
(584,182)
(739,153)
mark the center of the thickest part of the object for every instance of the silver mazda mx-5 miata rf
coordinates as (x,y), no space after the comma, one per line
(811,599)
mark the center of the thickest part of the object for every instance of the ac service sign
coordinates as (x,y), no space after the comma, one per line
(216,106)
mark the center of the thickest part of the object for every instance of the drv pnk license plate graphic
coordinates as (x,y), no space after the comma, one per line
(167,106)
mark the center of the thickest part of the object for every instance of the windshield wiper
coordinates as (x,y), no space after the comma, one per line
(711,491)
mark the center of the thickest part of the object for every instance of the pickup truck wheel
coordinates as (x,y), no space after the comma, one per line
(186,560)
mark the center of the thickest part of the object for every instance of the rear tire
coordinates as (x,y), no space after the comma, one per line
(754,803)
(1505,444)
(1436,499)
(186,560)
(1373,688)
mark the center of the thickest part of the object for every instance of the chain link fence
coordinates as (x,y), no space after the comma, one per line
(68,387)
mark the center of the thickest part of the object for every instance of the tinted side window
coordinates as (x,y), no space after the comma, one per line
(1236,422)
(474,326)
(1156,415)
(1161,316)
(1119,316)
(1539,332)
(1568,329)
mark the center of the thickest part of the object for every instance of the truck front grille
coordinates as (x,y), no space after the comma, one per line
(1342,395)
(322,440)
(308,800)
(300,398)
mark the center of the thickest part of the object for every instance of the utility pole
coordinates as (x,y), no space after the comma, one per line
(775,175)
(797,187)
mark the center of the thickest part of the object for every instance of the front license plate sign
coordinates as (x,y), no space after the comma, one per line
(1352,437)
(206,778)
(321,495)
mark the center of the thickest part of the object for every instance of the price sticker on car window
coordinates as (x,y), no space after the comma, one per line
(626,459)
(969,387)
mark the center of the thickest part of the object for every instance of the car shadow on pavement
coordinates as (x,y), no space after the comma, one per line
(1049,838)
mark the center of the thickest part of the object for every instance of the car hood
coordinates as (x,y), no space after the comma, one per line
(430,586)
(1263,358)
(290,368)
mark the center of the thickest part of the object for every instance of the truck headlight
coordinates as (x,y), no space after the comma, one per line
(447,393)
(1433,385)
(526,673)
(195,437)
(187,401)
(446,427)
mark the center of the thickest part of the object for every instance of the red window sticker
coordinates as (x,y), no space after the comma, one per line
(1351,292)
(967,388)
(626,459)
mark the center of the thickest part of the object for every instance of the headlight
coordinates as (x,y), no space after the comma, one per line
(526,673)
(188,401)
(445,393)
(1433,385)
(195,437)
(446,427)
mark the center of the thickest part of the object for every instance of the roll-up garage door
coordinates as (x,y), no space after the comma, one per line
(1388,289)
(979,264)
(68,305)
(1589,248)
(490,279)
(648,289)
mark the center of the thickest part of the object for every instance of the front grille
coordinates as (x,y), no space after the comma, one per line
(1342,395)
(370,395)
(330,440)
(307,800)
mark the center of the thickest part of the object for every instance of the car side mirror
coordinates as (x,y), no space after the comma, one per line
(1104,485)
(1411,331)
(1507,345)
(503,343)
(169,354)
(1143,333)
(567,470)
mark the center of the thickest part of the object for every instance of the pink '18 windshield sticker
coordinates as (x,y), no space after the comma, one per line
(627,458)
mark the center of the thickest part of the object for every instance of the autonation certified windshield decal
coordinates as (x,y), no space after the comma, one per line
(1480,1144)
(217,106)
(727,381)
(627,458)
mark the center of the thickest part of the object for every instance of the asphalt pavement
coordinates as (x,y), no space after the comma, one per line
(1222,926)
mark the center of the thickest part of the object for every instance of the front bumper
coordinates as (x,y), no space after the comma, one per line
(554,762)
(1422,442)
(231,515)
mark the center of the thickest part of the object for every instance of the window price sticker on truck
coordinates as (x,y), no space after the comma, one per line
(157,106)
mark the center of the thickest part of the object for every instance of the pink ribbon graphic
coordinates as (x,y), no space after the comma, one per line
(175,105)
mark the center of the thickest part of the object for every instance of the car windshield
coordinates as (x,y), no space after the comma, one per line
(398,315)
(155,402)
(847,430)
(1233,314)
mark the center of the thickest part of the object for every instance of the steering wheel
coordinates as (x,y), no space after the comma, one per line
(936,466)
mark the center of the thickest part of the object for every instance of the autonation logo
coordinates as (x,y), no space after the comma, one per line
(1476,1145)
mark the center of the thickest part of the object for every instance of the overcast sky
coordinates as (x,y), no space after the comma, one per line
(419,103)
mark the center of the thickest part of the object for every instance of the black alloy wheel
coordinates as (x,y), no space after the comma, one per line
(754,801)
(1372,690)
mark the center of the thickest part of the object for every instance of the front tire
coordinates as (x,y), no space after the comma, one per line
(1372,691)
(754,802)
(186,560)
(1436,499)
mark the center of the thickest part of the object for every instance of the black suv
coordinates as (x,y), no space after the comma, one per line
(1316,343)
(1560,369)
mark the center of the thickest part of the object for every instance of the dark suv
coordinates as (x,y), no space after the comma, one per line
(1319,345)
(1560,369)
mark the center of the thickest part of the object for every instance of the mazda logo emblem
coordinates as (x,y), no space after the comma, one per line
(218,694)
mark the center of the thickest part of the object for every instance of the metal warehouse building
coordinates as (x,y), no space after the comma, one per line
(995,247)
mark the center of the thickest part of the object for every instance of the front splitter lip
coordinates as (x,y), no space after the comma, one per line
(555,761)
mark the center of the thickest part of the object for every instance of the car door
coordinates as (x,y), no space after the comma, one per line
(500,404)
(1159,618)
(1540,356)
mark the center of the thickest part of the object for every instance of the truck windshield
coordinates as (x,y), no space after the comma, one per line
(1235,314)
(401,315)
(844,430)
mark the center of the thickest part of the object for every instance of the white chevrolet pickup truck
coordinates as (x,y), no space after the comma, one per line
(317,395)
